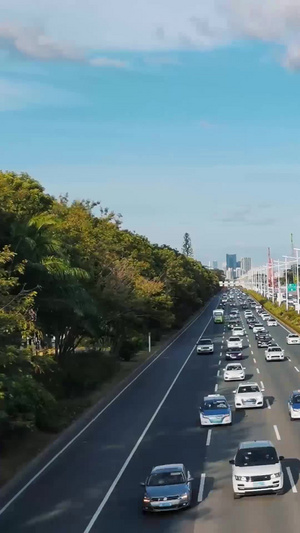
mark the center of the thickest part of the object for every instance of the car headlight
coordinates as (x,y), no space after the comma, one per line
(274,476)
(146,499)
(241,478)
(184,496)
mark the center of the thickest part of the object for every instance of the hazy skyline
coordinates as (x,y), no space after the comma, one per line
(181,116)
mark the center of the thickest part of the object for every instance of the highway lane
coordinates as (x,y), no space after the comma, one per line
(175,436)
(66,495)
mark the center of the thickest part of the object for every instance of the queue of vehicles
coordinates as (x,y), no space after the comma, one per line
(256,466)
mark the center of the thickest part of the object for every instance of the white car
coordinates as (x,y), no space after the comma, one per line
(274,353)
(258,328)
(238,331)
(293,338)
(256,467)
(272,322)
(265,317)
(248,395)
(234,342)
(247,313)
(205,346)
(234,371)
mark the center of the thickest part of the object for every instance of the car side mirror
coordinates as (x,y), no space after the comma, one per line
(281,457)
(234,391)
(143,484)
(231,461)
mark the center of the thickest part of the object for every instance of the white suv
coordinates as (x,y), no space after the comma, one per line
(256,467)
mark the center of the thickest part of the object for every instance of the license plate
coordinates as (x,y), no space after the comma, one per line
(258,484)
(165,504)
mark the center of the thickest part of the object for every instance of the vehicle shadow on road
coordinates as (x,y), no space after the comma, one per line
(270,399)
(248,377)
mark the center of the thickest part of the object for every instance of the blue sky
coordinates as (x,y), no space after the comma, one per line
(180,119)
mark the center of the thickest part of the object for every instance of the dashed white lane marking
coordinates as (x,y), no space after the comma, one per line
(258,371)
(249,345)
(289,473)
(208,439)
(252,352)
(218,373)
(220,362)
(277,432)
(254,360)
(262,385)
(268,404)
(220,354)
(216,387)
(289,359)
(296,369)
(201,487)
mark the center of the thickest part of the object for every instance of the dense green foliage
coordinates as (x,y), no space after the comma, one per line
(290,317)
(70,276)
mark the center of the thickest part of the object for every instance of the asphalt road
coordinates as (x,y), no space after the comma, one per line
(94,484)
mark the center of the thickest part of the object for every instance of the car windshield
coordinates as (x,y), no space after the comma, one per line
(234,367)
(233,339)
(248,388)
(214,404)
(296,398)
(275,349)
(293,336)
(166,478)
(205,341)
(256,456)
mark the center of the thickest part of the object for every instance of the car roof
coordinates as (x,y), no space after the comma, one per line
(178,467)
(214,397)
(256,444)
(248,383)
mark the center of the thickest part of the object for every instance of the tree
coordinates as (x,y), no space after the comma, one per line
(187,249)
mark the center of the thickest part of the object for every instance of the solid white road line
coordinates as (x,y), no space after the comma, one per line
(254,360)
(208,439)
(262,385)
(296,369)
(289,473)
(258,371)
(201,487)
(140,439)
(277,432)
(268,404)
(104,409)
(216,387)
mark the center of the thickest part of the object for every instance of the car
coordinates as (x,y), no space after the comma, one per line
(205,346)
(238,331)
(256,467)
(264,340)
(233,323)
(258,307)
(274,353)
(265,316)
(258,327)
(272,322)
(234,371)
(253,323)
(167,488)
(233,315)
(294,405)
(234,342)
(215,411)
(233,354)
(293,338)
(248,395)
(248,313)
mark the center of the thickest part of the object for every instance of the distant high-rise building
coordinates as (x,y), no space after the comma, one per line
(245,264)
(231,261)
(215,264)
(230,274)
(238,272)
(238,264)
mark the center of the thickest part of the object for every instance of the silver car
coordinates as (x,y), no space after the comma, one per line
(168,488)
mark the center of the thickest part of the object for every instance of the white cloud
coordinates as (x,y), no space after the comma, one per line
(93,25)
(107,62)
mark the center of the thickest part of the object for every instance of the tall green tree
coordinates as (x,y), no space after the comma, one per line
(187,248)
